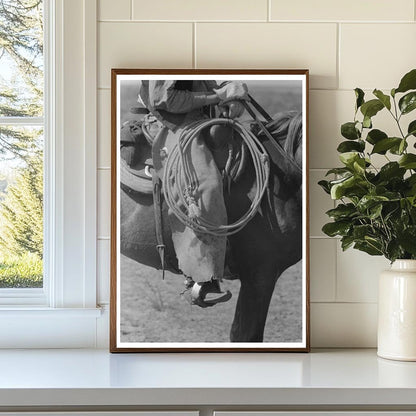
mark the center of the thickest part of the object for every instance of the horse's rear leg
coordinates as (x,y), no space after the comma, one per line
(252,306)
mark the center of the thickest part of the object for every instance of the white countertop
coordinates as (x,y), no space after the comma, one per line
(96,377)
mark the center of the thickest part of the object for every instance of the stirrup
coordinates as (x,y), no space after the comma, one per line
(200,291)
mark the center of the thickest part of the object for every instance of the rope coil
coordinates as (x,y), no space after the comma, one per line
(179,173)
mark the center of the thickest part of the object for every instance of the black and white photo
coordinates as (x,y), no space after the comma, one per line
(209,244)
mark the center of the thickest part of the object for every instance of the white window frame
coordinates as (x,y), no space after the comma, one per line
(64,313)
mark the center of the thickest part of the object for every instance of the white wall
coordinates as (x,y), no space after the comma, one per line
(344,43)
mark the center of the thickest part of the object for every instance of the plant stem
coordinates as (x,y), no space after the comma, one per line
(397,118)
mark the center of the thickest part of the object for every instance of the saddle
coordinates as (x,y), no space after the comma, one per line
(136,163)
(135,158)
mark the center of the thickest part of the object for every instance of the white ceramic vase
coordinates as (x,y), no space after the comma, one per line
(397,312)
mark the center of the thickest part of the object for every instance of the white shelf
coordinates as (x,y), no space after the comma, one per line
(57,378)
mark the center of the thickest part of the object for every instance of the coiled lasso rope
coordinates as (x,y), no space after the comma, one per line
(180,176)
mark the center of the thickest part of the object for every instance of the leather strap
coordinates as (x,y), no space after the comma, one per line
(283,155)
(157,206)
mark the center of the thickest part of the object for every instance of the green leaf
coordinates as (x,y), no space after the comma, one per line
(367,122)
(402,147)
(325,186)
(393,250)
(374,242)
(349,146)
(346,242)
(368,248)
(408,161)
(354,161)
(385,144)
(385,99)
(375,211)
(411,130)
(371,108)
(338,189)
(411,180)
(342,211)
(359,95)
(361,231)
(336,228)
(369,201)
(408,82)
(391,170)
(398,149)
(407,239)
(359,165)
(348,158)
(349,131)
(338,171)
(393,92)
(375,136)
(408,102)
(411,185)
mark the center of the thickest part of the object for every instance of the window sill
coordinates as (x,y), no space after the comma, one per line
(22,297)
(40,327)
(331,379)
(36,312)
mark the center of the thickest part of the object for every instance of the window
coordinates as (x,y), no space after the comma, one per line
(63,313)
(22,127)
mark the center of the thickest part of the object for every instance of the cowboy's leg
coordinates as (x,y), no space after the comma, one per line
(202,256)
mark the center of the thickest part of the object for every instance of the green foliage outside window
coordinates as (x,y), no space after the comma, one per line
(21,147)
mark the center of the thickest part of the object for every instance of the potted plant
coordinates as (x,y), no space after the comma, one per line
(376,209)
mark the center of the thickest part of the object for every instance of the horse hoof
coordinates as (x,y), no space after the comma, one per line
(208,294)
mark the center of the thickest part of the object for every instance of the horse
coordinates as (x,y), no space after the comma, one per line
(269,244)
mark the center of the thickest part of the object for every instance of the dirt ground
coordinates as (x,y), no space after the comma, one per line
(153,310)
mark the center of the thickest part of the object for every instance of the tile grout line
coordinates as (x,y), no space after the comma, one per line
(131,9)
(345,302)
(336,271)
(269,10)
(194,63)
(308,22)
(338,64)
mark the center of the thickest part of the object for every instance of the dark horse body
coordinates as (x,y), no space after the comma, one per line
(269,244)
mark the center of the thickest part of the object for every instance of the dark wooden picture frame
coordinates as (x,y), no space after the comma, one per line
(148,314)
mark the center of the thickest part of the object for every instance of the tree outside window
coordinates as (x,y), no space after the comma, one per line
(21,143)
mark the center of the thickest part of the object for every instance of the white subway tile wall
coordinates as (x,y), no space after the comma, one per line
(104,202)
(104,128)
(357,275)
(142,45)
(355,10)
(270,45)
(200,10)
(365,49)
(114,10)
(338,325)
(322,269)
(345,44)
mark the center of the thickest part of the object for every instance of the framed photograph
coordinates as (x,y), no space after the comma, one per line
(209,211)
